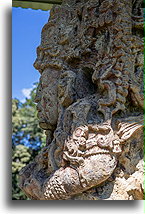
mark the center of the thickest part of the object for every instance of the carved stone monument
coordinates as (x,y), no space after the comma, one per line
(90,102)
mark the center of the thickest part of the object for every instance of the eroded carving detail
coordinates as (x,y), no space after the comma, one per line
(90,100)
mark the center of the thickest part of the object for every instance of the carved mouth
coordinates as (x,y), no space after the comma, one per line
(96,150)
(41,117)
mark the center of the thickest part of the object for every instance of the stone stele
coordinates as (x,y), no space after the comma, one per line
(90,102)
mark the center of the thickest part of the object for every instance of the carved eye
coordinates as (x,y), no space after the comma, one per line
(82,141)
(70,149)
(101,141)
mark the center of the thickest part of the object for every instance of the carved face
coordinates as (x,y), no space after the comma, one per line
(101,137)
(97,140)
(46,96)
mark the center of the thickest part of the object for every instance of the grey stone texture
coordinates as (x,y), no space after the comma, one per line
(90,102)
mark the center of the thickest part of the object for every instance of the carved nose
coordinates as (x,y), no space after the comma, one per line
(37,64)
(104,142)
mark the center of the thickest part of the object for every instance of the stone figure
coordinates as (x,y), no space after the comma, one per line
(90,102)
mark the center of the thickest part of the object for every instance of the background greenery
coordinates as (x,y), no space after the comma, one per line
(27,139)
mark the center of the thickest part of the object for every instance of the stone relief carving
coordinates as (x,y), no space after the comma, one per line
(90,102)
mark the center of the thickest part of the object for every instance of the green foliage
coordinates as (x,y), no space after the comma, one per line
(20,157)
(25,123)
(27,139)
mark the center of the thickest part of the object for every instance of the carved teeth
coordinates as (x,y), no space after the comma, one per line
(95,151)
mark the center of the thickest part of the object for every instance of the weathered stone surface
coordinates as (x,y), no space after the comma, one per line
(90,101)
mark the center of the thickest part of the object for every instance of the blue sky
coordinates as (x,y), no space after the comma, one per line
(26,32)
